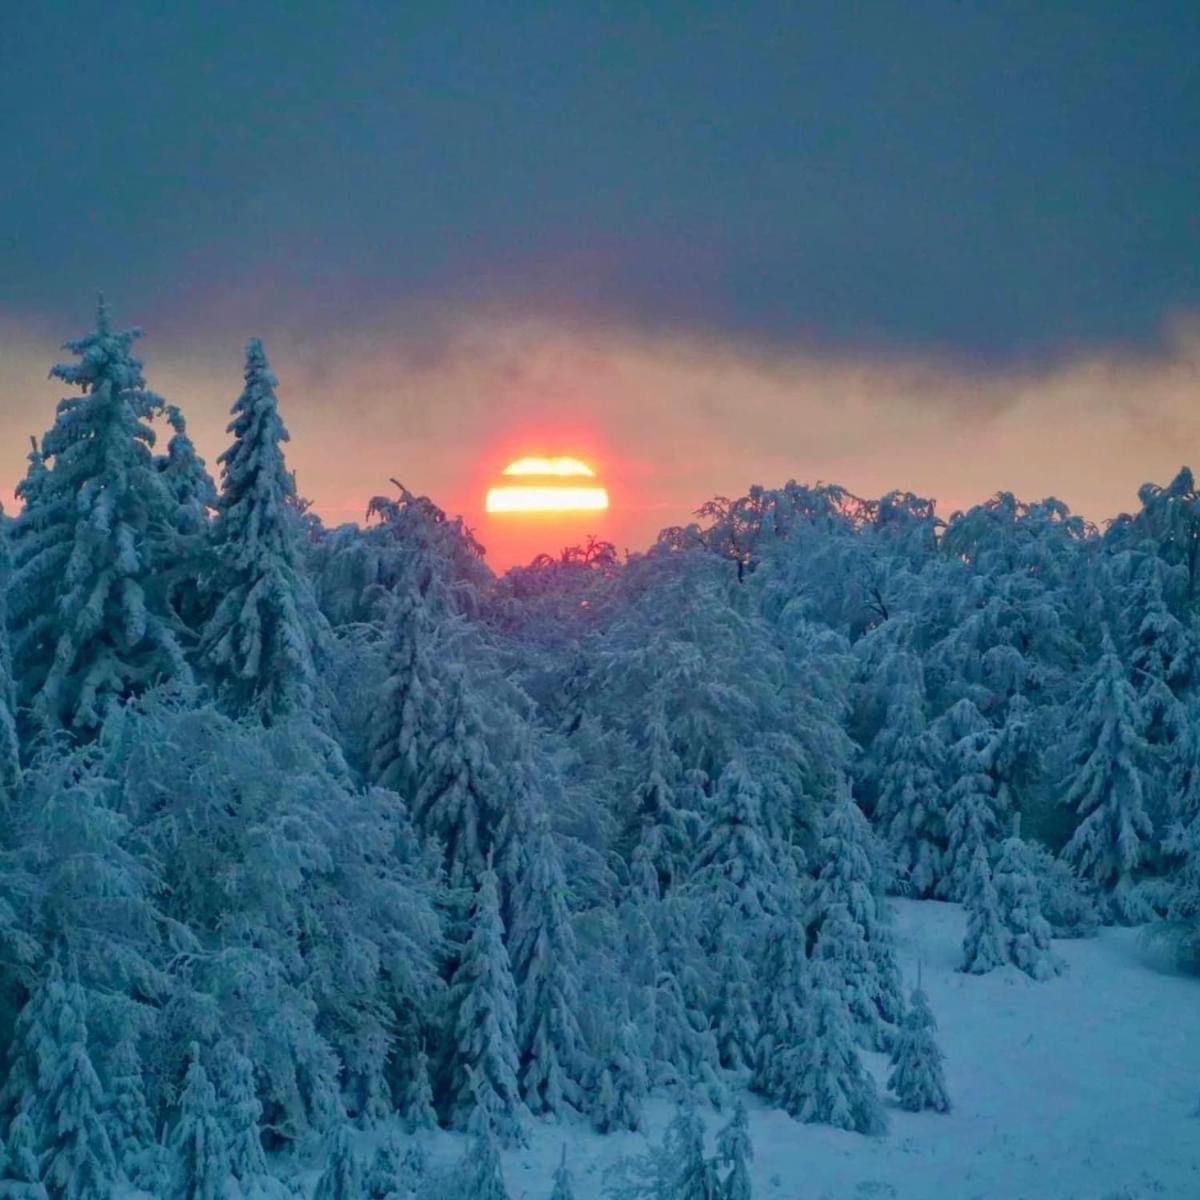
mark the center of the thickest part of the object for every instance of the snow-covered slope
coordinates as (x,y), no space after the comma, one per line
(1082,1087)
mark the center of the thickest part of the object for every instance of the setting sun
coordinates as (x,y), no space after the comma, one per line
(544,488)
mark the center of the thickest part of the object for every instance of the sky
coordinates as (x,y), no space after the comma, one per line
(946,247)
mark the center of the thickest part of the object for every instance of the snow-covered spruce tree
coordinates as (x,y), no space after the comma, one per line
(847,899)
(203,1169)
(785,995)
(128,1119)
(1106,785)
(917,1079)
(479,1175)
(1067,903)
(413,694)
(909,807)
(397,1169)
(736,1153)
(985,944)
(20,1177)
(736,863)
(1182,925)
(825,1079)
(263,642)
(735,1021)
(553,1063)
(186,557)
(1020,910)
(456,800)
(971,819)
(76,1156)
(90,625)
(483,1033)
(32,1049)
(241,1112)
(677,1169)
(564,1184)
(342,1178)
(621,1086)
(10,756)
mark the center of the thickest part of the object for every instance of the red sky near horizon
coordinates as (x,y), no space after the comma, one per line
(667,420)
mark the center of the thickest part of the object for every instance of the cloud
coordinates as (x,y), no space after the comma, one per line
(439,400)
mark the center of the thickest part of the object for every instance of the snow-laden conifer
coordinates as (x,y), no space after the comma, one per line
(77,1160)
(342,1177)
(1105,785)
(10,756)
(262,644)
(971,819)
(128,1119)
(21,1176)
(564,1184)
(621,1085)
(1020,910)
(917,1079)
(785,995)
(186,566)
(735,862)
(910,805)
(483,1000)
(985,943)
(859,946)
(550,1047)
(480,1175)
(735,1154)
(676,1169)
(203,1169)
(91,627)
(826,1082)
(735,1021)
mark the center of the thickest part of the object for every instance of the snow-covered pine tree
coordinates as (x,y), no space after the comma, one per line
(32,1049)
(342,1178)
(241,1113)
(1182,926)
(90,626)
(917,1079)
(985,944)
(128,1120)
(413,694)
(76,1156)
(564,1185)
(479,1175)
(203,1170)
(483,1034)
(415,1101)
(677,1169)
(847,900)
(457,793)
(621,1086)
(553,1063)
(736,1153)
(21,1176)
(909,807)
(971,819)
(786,992)
(825,1079)
(1020,910)
(263,642)
(1106,785)
(10,753)
(397,1169)
(735,861)
(735,1022)
(191,487)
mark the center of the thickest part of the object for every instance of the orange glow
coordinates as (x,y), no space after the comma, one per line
(548,485)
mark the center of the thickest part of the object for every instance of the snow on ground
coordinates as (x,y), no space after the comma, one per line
(1079,1088)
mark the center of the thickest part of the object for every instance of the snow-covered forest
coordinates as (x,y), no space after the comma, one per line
(318,840)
